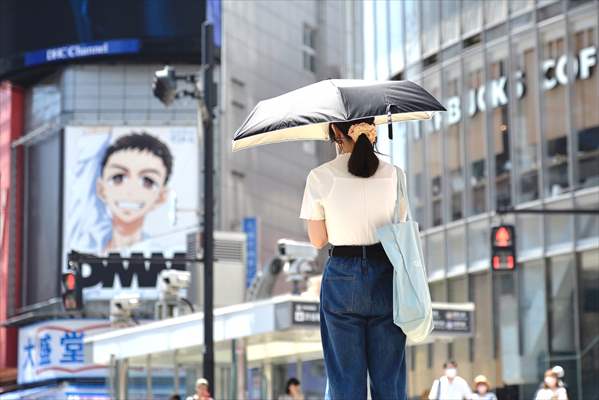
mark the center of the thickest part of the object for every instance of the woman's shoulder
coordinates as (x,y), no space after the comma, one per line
(386,167)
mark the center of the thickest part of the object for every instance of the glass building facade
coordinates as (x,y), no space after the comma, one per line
(520,82)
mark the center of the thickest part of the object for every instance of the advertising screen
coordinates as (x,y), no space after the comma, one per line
(128,192)
(34,32)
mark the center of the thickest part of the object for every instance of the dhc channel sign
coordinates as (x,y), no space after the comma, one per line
(82,50)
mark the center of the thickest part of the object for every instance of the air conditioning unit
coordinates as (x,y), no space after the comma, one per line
(229,268)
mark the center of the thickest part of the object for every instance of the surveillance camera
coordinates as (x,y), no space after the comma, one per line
(125,301)
(173,280)
(291,250)
(165,85)
(121,307)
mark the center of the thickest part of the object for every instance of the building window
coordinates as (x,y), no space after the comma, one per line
(559,228)
(497,106)
(562,310)
(450,21)
(533,324)
(456,249)
(309,48)
(458,293)
(585,101)
(472,17)
(478,244)
(525,126)
(587,226)
(495,11)
(397,40)
(553,110)
(483,331)
(436,257)
(589,321)
(381,14)
(520,6)
(430,19)
(474,128)
(412,14)
(453,159)
(434,153)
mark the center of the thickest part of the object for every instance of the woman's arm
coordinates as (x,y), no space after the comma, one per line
(317,232)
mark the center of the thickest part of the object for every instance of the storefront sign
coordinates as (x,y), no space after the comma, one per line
(124,178)
(554,72)
(454,322)
(250,227)
(305,313)
(81,50)
(55,349)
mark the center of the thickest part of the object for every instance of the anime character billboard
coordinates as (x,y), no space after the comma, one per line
(124,188)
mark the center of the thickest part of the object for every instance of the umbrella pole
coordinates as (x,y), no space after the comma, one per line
(389,123)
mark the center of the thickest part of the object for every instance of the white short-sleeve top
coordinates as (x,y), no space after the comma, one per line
(352,207)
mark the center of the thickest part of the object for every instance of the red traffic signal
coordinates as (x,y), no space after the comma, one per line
(503,247)
(72,292)
(70,281)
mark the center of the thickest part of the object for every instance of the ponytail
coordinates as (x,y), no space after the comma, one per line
(363,162)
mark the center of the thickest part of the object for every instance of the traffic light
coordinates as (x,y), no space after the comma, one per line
(72,296)
(503,247)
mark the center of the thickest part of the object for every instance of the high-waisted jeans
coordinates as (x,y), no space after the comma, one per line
(357,330)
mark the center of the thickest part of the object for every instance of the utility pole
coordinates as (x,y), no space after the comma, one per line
(207,116)
(165,89)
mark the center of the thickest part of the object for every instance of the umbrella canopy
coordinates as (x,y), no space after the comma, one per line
(305,113)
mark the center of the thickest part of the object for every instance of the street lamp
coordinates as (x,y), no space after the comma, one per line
(165,89)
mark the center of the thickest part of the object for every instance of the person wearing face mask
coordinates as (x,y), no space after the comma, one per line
(551,389)
(450,386)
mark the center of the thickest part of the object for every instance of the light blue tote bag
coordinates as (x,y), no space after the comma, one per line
(412,310)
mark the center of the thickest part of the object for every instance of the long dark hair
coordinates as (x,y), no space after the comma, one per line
(363,161)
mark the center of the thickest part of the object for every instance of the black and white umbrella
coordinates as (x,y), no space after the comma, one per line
(305,113)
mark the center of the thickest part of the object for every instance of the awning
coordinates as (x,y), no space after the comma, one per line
(277,326)
(266,317)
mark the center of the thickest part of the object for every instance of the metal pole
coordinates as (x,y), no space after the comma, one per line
(547,211)
(208,62)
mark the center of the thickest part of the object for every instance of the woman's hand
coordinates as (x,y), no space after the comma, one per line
(317,232)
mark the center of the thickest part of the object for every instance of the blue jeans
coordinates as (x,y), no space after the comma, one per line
(357,330)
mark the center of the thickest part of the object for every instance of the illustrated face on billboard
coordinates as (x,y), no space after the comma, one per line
(135,171)
(123,188)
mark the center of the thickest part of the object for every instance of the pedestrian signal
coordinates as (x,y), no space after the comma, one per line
(503,247)
(72,295)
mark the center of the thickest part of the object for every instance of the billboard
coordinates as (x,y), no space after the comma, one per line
(56,349)
(128,192)
(155,30)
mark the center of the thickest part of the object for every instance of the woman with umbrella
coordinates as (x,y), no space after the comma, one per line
(345,201)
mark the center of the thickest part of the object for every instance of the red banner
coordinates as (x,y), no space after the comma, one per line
(11,185)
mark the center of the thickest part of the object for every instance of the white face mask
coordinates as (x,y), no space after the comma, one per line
(550,381)
(451,372)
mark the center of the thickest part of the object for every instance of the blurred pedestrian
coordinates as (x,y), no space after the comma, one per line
(551,390)
(481,386)
(559,370)
(202,390)
(174,397)
(293,390)
(450,386)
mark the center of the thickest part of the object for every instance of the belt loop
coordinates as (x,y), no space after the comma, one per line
(331,250)
(363,251)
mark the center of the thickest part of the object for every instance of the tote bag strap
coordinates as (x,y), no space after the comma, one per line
(401,192)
